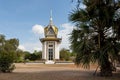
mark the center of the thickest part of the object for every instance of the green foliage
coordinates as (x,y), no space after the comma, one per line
(33,56)
(72,54)
(38,55)
(64,54)
(7,53)
(27,55)
(96,37)
(19,56)
(6,62)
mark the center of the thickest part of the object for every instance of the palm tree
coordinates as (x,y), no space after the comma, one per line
(95,37)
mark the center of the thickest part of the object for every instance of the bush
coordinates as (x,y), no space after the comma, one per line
(33,56)
(6,62)
(64,54)
(7,53)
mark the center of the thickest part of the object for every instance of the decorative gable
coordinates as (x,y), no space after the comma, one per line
(50,32)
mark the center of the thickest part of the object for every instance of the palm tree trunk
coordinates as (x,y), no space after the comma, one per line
(106,68)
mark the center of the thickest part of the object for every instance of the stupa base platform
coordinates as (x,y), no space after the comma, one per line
(49,62)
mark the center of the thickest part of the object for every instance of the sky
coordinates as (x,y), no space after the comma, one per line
(26,19)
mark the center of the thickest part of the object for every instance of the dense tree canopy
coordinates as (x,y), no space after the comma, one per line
(8,49)
(64,54)
(96,37)
(36,55)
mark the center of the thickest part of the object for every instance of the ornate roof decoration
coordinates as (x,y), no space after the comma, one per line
(52,26)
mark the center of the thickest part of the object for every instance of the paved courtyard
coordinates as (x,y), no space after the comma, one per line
(53,72)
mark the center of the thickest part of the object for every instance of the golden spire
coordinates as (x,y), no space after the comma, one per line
(55,29)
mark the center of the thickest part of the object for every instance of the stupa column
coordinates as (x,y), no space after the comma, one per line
(44,50)
(56,50)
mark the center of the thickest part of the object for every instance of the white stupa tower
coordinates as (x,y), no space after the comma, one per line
(50,44)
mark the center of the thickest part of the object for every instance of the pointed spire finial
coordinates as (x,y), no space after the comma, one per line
(51,15)
(51,22)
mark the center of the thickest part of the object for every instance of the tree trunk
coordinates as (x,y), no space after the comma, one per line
(106,69)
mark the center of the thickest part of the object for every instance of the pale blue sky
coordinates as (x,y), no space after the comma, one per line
(18,17)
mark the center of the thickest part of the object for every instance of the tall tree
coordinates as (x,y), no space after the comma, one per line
(96,37)
(7,53)
(19,56)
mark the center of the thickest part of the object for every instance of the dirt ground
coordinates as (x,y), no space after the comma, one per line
(54,72)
